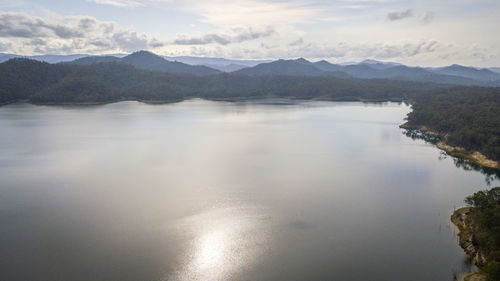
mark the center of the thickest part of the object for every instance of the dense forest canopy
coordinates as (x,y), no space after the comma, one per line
(485,213)
(22,79)
(466,117)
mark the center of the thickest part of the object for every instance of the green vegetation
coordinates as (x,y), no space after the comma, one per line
(22,79)
(466,117)
(485,229)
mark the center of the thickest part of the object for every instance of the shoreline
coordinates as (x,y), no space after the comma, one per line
(90,103)
(461,219)
(475,157)
(228,99)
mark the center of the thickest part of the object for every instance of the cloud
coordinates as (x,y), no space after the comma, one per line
(394,16)
(223,12)
(238,35)
(22,25)
(428,17)
(355,7)
(315,50)
(5,46)
(11,4)
(118,3)
(251,12)
(70,34)
(353,51)
(297,42)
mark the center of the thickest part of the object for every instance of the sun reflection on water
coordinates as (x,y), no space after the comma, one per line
(211,250)
(225,241)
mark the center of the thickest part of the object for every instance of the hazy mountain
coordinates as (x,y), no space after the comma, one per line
(141,59)
(149,61)
(6,57)
(282,67)
(402,72)
(370,69)
(44,58)
(95,59)
(363,71)
(374,69)
(226,68)
(469,72)
(221,64)
(214,61)
(52,58)
(57,58)
(379,64)
(366,70)
(326,66)
(370,61)
(307,68)
(298,67)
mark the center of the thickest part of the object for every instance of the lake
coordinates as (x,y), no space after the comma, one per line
(203,190)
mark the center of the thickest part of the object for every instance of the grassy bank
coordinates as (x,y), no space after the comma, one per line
(440,140)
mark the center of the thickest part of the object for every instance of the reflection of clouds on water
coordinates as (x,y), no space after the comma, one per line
(223,242)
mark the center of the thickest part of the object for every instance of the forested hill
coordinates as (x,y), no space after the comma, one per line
(23,79)
(465,117)
(149,61)
(453,75)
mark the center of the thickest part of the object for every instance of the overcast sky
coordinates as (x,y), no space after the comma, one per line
(415,32)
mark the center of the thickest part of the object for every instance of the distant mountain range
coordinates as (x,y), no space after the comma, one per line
(367,69)
(495,69)
(225,65)
(469,72)
(298,67)
(149,61)
(221,64)
(455,74)
(44,58)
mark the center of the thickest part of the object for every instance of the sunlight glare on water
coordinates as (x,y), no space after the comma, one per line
(223,242)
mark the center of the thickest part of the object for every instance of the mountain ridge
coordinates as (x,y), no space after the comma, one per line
(366,69)
(373,70)
(149,61)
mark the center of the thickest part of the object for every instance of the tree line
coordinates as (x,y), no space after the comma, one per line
(467,117)
(485,228)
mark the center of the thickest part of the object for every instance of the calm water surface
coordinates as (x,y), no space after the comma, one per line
(200,190)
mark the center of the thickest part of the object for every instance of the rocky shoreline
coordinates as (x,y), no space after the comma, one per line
(473,156)
(463,221)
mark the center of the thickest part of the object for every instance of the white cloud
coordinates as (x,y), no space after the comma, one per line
(394,16)
(29,34)
(118,3)
(428,17)
(430,32)
(251,12)
(233,35)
